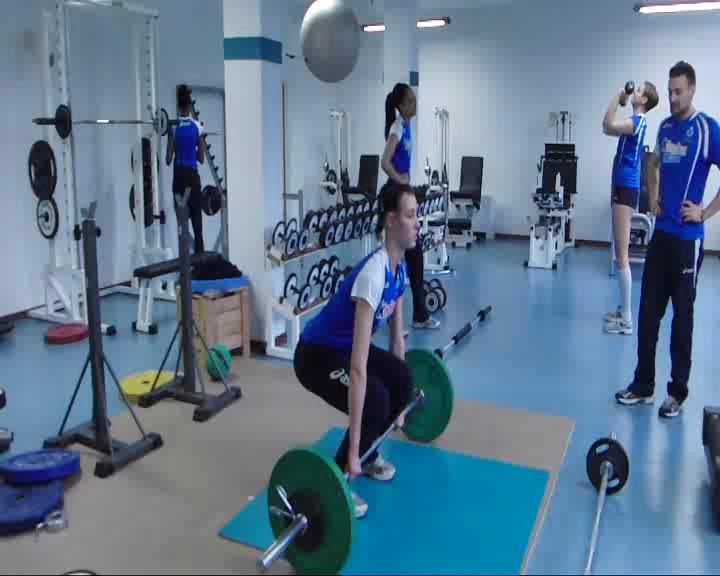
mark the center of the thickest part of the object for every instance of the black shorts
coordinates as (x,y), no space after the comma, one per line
(183,178)
(626,196)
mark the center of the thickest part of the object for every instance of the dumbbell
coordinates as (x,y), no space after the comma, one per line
(435,296)
(287,234)
(339,278)
(304,294)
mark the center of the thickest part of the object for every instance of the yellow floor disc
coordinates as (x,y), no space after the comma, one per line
(137,385)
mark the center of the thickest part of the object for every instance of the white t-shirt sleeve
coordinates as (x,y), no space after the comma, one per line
(200,128)
(370,282)
(397,128)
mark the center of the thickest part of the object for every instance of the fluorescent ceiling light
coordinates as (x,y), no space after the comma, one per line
(677,7)
(431,23)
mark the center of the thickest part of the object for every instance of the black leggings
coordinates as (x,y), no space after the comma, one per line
(326,373)
(188,178)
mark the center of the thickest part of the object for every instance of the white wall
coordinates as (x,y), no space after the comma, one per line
(501,69)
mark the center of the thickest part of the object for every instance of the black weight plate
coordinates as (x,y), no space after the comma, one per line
(290,286)
(334,265)
(434,283)
(367,223)
(47,218)
(40,467)
(42,170)
(308,220)
(292,226)
(339,278)
(351,211)
(339,232)
(432,302)
(374,223)
(292,244)
(163,122)
(305,296)
(328,238)
(332,216)
(23,508)
(607,449)
(358,230)
(440,291)
(3,399)
(63,121)
(324,270)
(323,220)
(148,205)
(212,200)
(327,288)
(314,275)
(331,176)
(342,215)
(349,228)
(304,240)
(278,234)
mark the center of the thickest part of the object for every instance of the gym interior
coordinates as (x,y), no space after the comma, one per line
(151,420)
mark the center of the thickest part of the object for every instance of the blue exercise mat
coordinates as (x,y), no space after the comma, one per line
(444,513)
(223,285)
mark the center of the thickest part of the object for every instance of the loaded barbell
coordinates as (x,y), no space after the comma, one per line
(309,503)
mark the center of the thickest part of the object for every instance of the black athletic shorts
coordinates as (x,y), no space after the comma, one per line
(626,196)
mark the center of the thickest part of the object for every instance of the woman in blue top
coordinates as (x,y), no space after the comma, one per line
(335,359)
(396,164)
(626,183)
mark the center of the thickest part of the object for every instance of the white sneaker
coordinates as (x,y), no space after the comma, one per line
(361,507)
(613,316)
(619,326)
(429,324)
(379,470)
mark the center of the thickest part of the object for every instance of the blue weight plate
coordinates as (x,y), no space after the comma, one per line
(40,467)
(23,508)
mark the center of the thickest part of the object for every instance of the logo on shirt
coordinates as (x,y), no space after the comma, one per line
(691,132)
(386,310)
(672,152)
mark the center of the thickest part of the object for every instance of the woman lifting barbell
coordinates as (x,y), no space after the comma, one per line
(335,359)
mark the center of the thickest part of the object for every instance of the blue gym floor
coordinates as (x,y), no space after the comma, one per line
(543,350)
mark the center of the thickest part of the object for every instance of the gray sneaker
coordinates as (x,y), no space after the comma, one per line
(619,326)
(670,408)
(380,470)
(429,324)
(361,507)
(613,316)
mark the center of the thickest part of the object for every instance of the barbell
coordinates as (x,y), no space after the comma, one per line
(310,506)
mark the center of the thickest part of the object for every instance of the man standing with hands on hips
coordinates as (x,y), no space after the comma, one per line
(688,144)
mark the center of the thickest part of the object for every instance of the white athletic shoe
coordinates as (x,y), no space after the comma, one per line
(613,316)
(379,470)
(361,507)
(429,324)
(619,326)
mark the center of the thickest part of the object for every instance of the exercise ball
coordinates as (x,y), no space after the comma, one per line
(330,39)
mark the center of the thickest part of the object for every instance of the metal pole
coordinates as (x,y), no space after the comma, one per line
(297,527)
(607,470)
(464,331)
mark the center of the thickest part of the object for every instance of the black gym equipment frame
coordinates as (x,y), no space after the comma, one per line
(711,443)
(183,389)
(96,433)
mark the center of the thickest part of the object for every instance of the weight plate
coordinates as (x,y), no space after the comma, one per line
(3,399)
(40,467)
(314,275)
(349,229)
(367,222)
(328,238)
(305,297)
(6,440)
(440,291)
(323,220)
(308,220)
(66,334)
(374,223)
(339,232)
(434,283)
(292,226)
(338,281)
(342,215)
(334,265)
(63,121)
(163,122)
(366,206)
(327,288)
(332,216)
(278,234)
(304,240)
(211,200)
(219,362)
(608,450)
(23,508)
(358,229)
(292,244)
(429,374)
(351,211)
(432,301)
(290,286)
(42,170)
(137,385)
(331,177)
(316,488)
(148,205)
(47,218)
(324,270)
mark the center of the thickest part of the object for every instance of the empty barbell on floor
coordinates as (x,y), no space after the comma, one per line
(608,468)
(464,331)
(309,503)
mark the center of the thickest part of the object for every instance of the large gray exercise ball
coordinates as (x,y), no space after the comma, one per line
(330,39)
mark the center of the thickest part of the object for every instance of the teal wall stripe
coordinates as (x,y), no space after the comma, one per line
(414,78)
(249,48)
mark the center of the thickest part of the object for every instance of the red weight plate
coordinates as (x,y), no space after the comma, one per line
(66,334)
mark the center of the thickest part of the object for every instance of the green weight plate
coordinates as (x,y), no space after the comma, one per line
(219,362)
(429,374)
(316,488)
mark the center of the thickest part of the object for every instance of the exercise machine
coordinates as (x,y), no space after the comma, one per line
(553,232)
(642,224)
(437,260)
(336,174)
(467,200)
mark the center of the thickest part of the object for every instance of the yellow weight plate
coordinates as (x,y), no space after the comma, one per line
(137,385)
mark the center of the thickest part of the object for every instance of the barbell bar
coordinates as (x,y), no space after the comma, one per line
(464,331)
(300,522)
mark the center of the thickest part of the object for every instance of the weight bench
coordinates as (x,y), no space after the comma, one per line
(367,181)
(149,275)
(468,198)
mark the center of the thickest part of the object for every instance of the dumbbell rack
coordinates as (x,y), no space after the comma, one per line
(281,308)
(431,264)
